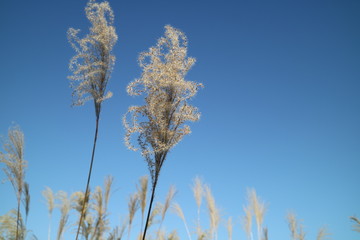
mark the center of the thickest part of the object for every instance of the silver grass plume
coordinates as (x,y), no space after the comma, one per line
(8,226)
(258,209)
(166,95)
(142,193)
(322,234)
(164,207)
(93,63)
(78,204)
(169,197)
(100,205)
(133,206)
(65,205)
(50,201)
(296,228)
(15,166)
(214,212)
(173,236)
(92,67)
(247,220)
(198,191)
(159,124)
(178,211)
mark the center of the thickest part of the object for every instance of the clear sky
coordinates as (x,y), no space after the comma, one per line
(280,108)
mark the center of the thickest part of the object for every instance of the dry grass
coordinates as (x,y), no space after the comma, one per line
(214,212)
(179,212)
(14,169)
(142,193)
(118,231)
(91,67)
(79,205)
(229,227)
(247,221)
(198,191)
(10,225)
(169,197)
(133,206)
(322,234)
(50,202)
(258,209)
(50,199)
(296,228)
(154,213)
(165,207)
(95,225)
(356,226)
(160,123)
(100,204)
(65,206)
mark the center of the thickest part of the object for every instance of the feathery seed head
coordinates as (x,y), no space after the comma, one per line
(142,192)
(322,234)
(64,209)
(248,221)
(178,211)
(160,124)
(198,191)
(214,212)
(15,164)
(94,62)
(50,199)
(169,198)
(155,212)
(258,208)
(296,228)
(133,206)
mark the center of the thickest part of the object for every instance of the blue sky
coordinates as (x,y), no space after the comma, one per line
(280,108)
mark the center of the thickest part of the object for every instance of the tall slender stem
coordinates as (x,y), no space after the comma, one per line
(86,199)
(149,211)
(17,220)
(49,230)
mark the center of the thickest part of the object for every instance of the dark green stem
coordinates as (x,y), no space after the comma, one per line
(17,220)
(149,211)
(89,176)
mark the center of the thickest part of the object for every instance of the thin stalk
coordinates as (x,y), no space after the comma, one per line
(158,232)
(149,211)
(49,230)
(142,222)
(89,175)
(198,217)
(17,220)
(187,230)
